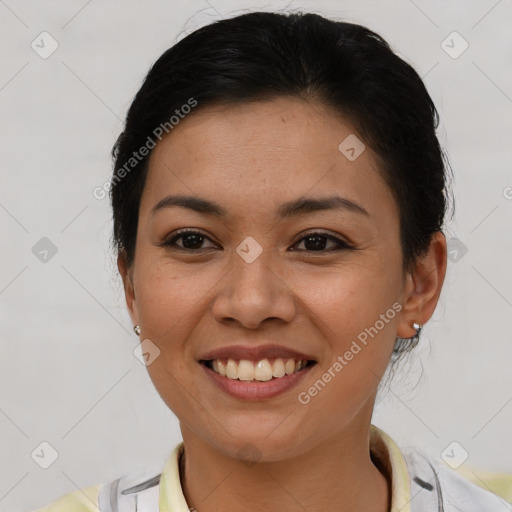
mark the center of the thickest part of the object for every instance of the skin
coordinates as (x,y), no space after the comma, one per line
(250,159)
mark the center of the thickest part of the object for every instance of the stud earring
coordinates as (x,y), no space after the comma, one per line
(136,329)
(415,338)
(402,345)
(418,328)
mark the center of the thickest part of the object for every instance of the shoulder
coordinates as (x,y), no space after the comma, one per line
(82,500)
(458,492)
(135,490)
(131,492)
(498,483)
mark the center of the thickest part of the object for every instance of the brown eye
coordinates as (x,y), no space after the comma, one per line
(313,242)
(317,242)
(191,240)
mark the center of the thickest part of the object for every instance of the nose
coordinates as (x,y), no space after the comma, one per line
(254,292)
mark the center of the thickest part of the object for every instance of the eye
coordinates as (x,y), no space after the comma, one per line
(191,240)
(313,242)
(317,241)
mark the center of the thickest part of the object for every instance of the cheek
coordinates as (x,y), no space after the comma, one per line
(170,304)
(350,297)
(355,311)
(170,298)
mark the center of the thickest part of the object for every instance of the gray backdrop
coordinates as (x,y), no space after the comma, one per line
(68,372)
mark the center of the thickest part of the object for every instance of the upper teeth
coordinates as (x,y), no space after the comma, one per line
(262,370)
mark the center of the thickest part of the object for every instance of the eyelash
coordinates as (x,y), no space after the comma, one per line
(342,245)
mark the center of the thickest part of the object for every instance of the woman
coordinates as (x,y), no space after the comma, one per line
(278,198)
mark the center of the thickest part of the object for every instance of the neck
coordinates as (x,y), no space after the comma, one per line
(336,476)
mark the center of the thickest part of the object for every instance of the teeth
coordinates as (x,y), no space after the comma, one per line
(289,366)
(245,370)
(278,368)
(232,369)
(222,367)
(263,370)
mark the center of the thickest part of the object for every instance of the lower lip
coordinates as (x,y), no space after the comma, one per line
(256,390)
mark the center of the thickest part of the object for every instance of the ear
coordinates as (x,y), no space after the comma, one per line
(129,290)
(423,287)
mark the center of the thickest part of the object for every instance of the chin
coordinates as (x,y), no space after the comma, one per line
(259,445)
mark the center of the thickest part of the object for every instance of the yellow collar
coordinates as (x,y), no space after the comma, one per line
(389,455)
(383,448)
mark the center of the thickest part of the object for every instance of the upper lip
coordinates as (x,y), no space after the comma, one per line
(254,353)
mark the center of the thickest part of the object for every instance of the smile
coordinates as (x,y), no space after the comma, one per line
(255,380)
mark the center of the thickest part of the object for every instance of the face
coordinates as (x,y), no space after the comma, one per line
(311,277)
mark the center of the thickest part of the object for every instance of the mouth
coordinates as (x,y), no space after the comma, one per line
(262,370)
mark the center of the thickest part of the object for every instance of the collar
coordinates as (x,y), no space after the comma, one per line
(384,451)
(390,458)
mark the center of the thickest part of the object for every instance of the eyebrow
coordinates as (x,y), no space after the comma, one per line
(290,209)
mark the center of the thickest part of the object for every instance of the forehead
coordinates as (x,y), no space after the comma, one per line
(262,154)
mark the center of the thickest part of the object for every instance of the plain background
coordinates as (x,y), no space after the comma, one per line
(68,372)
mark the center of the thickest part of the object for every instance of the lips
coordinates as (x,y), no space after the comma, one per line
(250,372)
(251,390)
(254,353)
